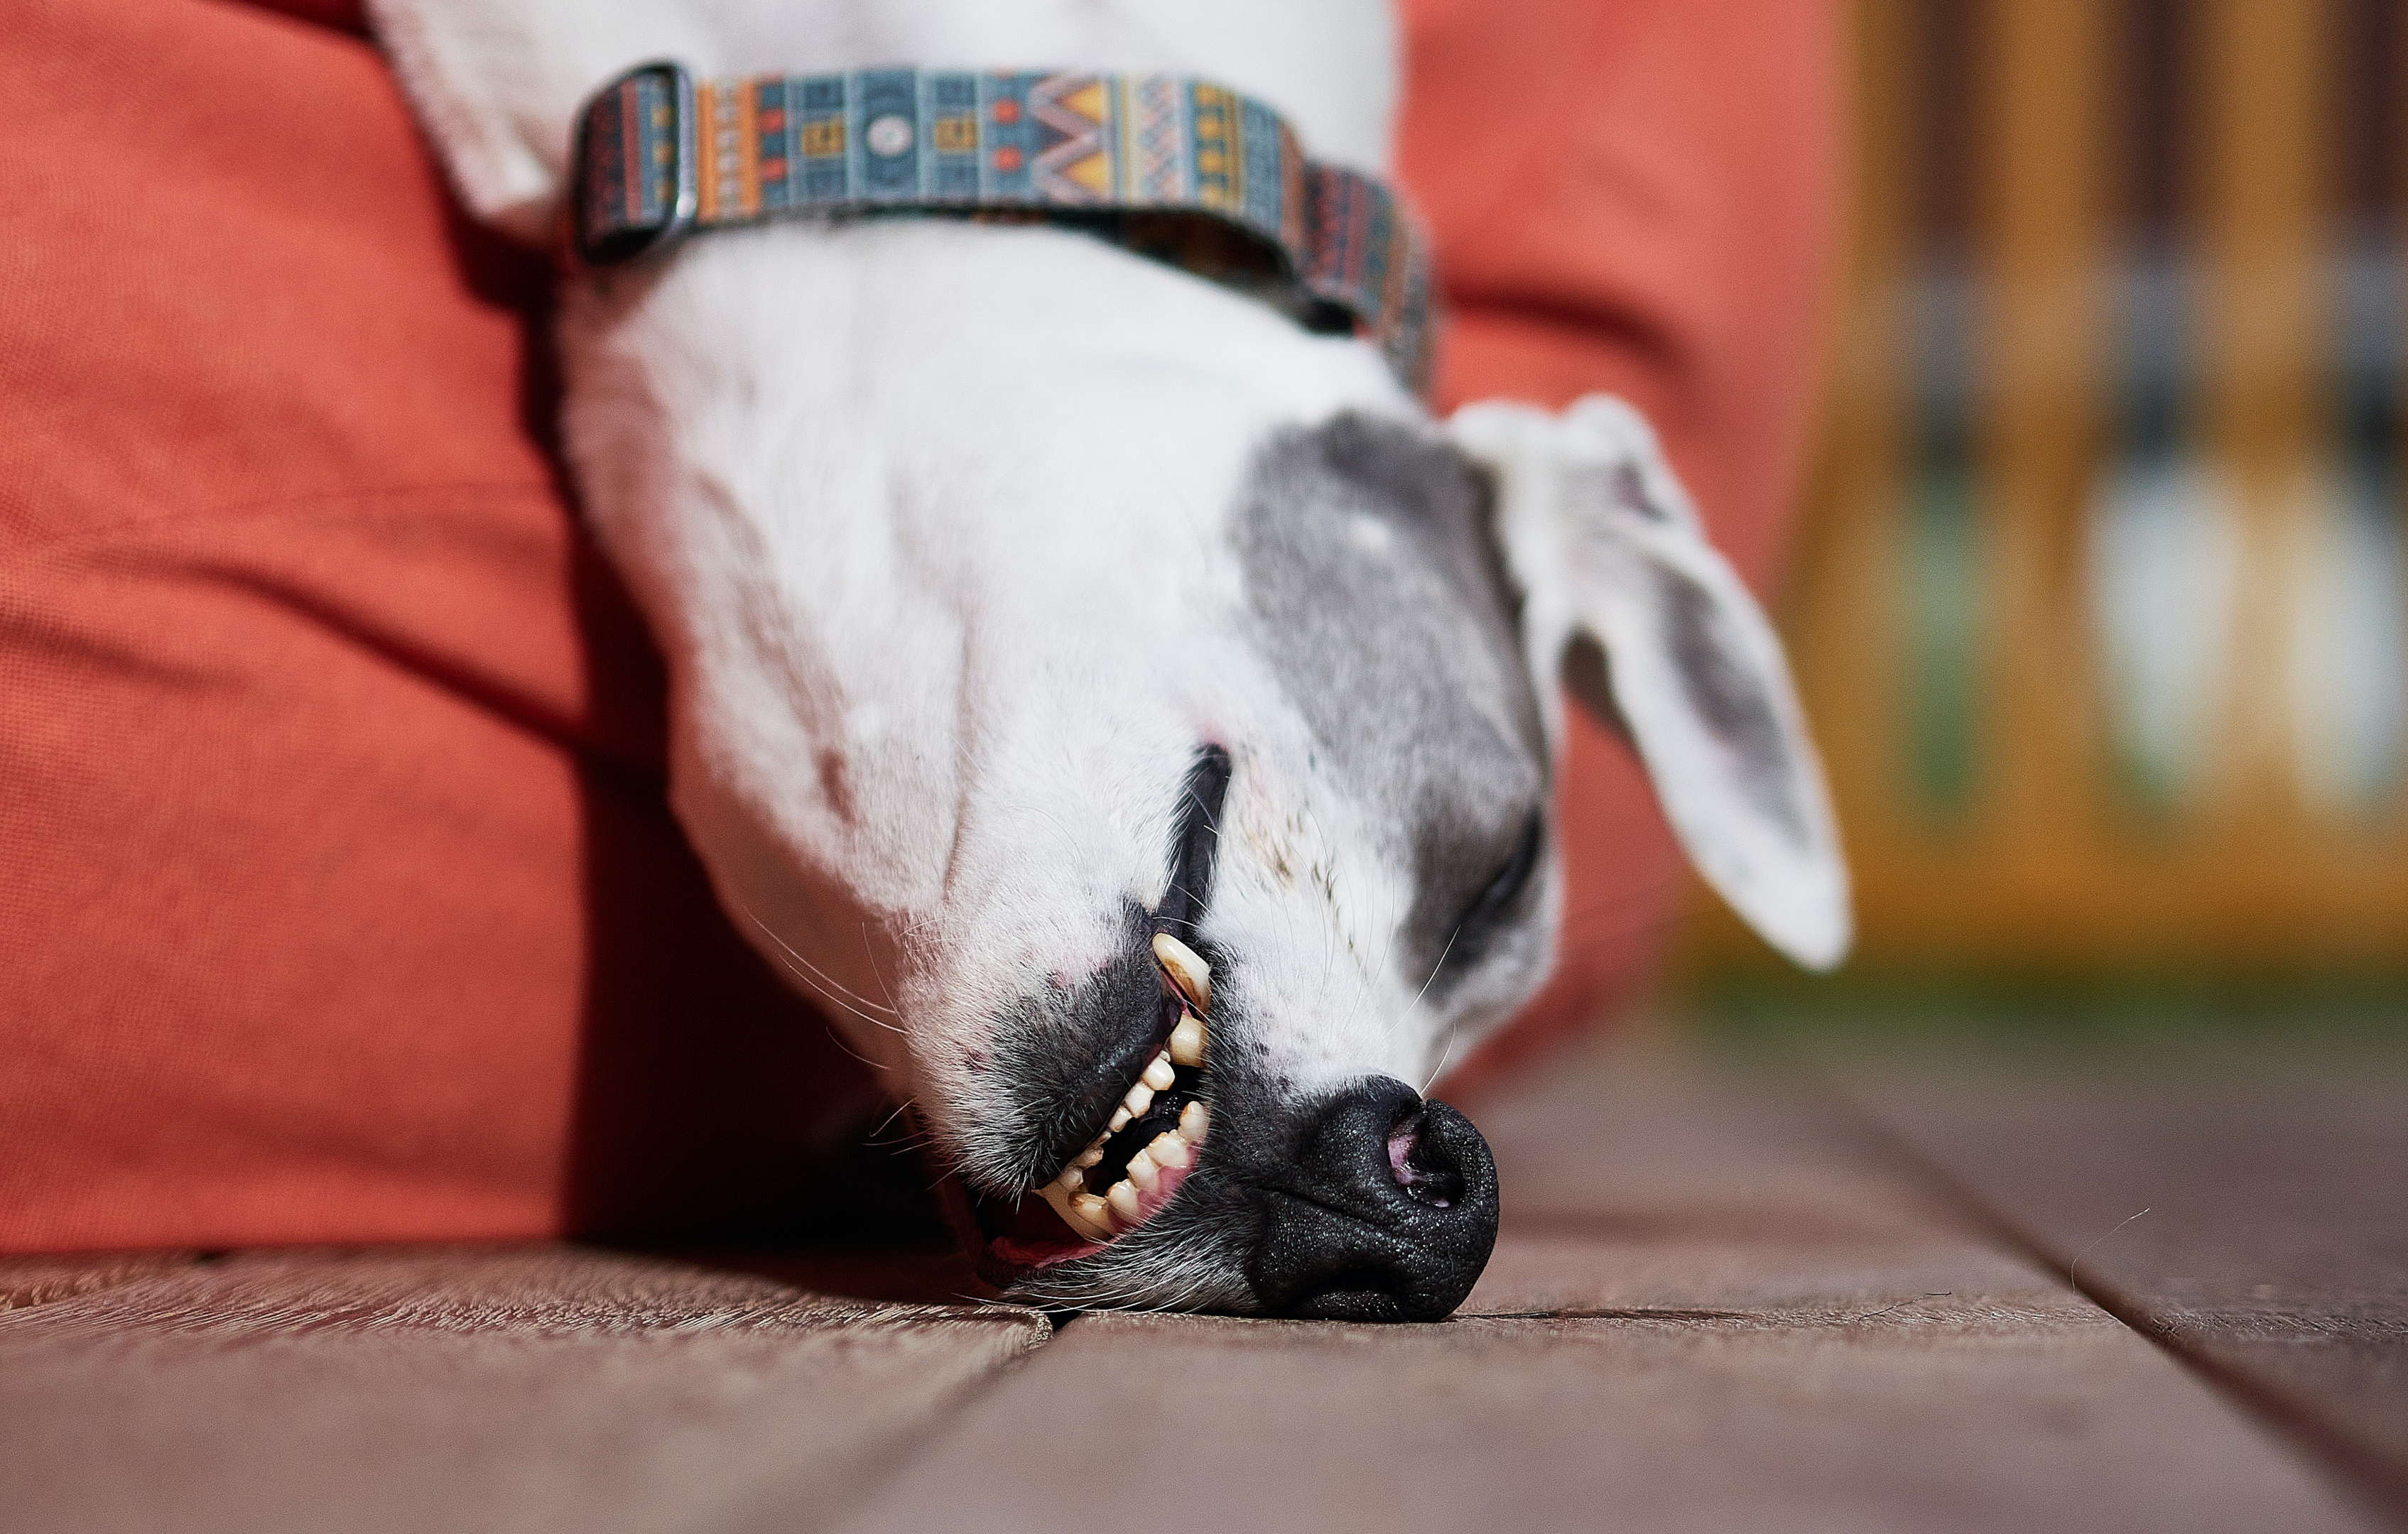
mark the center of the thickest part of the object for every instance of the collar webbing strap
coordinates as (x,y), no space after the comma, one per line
(660,156)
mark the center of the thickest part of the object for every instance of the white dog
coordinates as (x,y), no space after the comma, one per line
(1028,601)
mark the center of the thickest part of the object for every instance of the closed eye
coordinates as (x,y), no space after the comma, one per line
(1480,919)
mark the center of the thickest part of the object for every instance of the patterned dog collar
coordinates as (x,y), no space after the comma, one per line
(660,156)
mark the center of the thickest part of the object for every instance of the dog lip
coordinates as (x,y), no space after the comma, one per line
(1166,1021)
(1187,888)
(1135,1169)
(1005,1239)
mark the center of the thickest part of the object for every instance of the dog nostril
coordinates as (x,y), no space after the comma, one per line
(1388,1212)
(1425,1172)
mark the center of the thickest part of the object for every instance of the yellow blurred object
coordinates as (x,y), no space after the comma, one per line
(2100,606)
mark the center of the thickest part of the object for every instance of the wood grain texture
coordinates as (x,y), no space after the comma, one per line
(1754,1326)
(2274,1245)
(39,1281)
(530,1389)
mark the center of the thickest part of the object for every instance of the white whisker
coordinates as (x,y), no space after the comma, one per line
(828,987)
(1451,1028)
(884,989)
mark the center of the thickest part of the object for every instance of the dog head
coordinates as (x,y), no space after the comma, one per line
(1135,720)
(1189,625)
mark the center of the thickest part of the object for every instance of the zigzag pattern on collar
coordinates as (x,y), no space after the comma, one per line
(660,156)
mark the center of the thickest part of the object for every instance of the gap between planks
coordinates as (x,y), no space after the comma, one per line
(2375,1482)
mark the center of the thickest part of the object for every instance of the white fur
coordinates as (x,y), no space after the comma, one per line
(933,525)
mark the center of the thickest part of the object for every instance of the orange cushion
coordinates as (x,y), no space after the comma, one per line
(341,902)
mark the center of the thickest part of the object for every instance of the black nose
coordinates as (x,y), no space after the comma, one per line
(1388,1212)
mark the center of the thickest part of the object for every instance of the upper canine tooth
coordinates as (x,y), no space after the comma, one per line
(1139,1098)
(1193,1120)
(1188,1041)
(1188,971)
(1159,1075)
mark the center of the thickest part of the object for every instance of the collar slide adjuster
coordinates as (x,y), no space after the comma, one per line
(635,191)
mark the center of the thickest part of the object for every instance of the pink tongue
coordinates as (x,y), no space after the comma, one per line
(1163,1191)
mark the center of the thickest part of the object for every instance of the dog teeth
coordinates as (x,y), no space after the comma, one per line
(1095,1224)
(1122,1200)
(1188,971)
(1122,1207)
(1096,1214)
(1143,1172)
(1188,1041)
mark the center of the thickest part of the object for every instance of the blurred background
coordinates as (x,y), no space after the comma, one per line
(2099,602)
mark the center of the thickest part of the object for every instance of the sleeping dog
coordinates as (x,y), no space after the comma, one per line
(1122,705)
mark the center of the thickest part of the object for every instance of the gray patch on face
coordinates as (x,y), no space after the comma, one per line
(1382,600)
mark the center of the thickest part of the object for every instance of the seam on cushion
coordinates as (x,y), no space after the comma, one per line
(327,500)
(396,649)
(498,702)
(1590,323)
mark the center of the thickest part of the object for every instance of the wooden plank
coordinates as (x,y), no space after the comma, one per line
(2255,1218)
(905,1275)
(530,1389)
(41,1280)
(1753,1327)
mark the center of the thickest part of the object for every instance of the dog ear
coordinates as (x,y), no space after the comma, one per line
(499,87)
(1608,550)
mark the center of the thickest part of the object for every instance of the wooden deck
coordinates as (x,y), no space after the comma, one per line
(1720,1301)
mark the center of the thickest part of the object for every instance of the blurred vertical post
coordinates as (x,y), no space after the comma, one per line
(2264,340)
(2043,100)
(1846,629)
